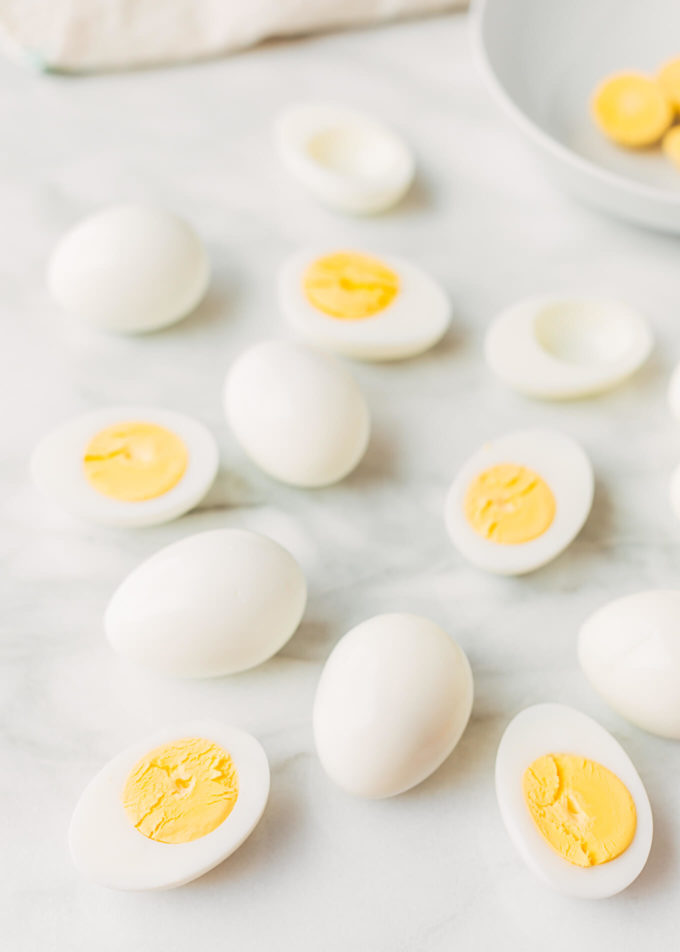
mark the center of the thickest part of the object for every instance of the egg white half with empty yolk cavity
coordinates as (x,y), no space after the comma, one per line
(363,306)
(126,467)
(519,501)
(557,348)
(572,802)
(345,158)
(169,809)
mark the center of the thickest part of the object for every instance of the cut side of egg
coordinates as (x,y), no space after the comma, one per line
(345,158)
(126,467)
(630,652)
(393,700)
(298,414)
(170,808)
(570,797)
(519,501)
(208,605)
(558,348)
(362,306)
(129,269)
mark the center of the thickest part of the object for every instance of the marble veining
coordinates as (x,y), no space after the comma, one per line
(433,869)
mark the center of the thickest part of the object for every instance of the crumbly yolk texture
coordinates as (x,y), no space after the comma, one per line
(350,286)
(509,504)
(580,808)
(132,462)
(632,109)
(181,791)
(669,80)
(671,145)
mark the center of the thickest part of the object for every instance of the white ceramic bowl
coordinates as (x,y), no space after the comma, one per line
(543,59)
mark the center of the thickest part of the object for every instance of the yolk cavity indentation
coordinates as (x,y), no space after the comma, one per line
(632,109)
(349,285)
(509,504)
(580,808)
(132,462)
(181,791)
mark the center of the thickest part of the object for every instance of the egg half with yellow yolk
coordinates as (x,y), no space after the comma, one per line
(519,501)
(572,802)
(168,809)
(126,466)
(360,305)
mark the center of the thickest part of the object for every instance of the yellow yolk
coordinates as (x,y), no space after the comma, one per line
(350,286)
(669,80)
(181,791)
(580,808)
(132,462)
(509,504)
(632,109)
(671,145)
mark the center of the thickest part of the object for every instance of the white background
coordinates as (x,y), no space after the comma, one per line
(433,869)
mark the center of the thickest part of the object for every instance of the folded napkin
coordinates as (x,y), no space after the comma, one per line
(87,35)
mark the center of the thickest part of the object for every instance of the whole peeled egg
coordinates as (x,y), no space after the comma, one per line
(129,269)
(298,414)
(393,700)
(211,604)
(630,652)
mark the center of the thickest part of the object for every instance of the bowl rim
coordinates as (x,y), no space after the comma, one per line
(543,139)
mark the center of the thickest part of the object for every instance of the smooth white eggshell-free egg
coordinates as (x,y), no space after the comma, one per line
(129,269)
(209,605)
(393,700)
(413,322)
(107,848)
(561,463)
(630,652)
(345,158)
(57,469)
(551,729)
(556,348)
(298,414)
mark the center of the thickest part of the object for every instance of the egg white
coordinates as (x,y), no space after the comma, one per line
(345,158)
(561,463)
(109,850)
(557,348)
(556,728)
(57,469)
(414,321)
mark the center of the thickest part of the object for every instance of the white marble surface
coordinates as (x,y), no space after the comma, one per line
(433,869)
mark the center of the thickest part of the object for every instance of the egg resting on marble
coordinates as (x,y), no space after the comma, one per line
(126,467)
(170,808)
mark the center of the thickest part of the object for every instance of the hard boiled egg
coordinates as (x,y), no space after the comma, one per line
(345,158)
(297,413)
(170,808)
(129,269)
(519,501)
(630,652)
(126,466)
(393,700)
(674,392)
(572,802)
(208,605)
(361,306)
(557,347)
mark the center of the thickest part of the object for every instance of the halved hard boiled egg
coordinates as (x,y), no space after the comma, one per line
(362,306)
(298,414)
(557,348)
(170,808)
(129,269)
(126,467)
(345,158)
(519,501)
(572,802)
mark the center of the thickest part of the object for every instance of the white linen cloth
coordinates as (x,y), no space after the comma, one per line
(88,35)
